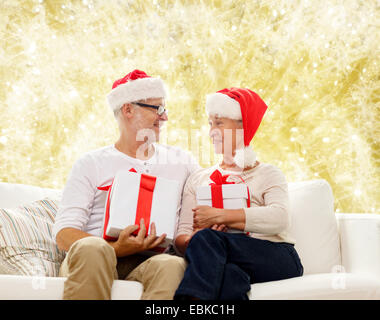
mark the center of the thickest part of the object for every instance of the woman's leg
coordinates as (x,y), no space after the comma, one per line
(206,256)
(236,283)
(263,260)
(209,251)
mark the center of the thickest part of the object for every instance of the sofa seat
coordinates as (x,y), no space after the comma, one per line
(15,287)
(340,252)
(324,286)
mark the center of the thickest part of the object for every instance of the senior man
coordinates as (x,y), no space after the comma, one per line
(92,263)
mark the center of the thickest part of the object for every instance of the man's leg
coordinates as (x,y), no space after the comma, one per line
(90,268)
(127,264)
(160,276)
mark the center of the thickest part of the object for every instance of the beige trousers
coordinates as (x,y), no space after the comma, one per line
(91,266)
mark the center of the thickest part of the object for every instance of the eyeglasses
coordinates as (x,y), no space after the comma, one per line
(160,109)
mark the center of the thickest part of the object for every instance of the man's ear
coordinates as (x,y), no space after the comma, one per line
(127,110)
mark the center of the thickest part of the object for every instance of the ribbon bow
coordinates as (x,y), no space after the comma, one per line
(216,188)
(217,191)
(219,179)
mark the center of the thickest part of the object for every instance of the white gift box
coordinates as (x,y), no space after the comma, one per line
(234,197)
(122,202)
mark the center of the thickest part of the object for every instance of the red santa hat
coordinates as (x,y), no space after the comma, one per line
(239,104)
(136,85)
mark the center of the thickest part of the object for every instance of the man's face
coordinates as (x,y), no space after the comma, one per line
(147,119)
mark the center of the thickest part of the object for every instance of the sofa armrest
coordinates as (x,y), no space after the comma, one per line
(360,242)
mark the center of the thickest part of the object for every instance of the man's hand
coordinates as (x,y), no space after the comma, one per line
(128,244)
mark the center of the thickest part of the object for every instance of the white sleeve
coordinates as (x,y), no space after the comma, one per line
(78,196)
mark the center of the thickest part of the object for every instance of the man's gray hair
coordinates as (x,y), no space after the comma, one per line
(117,112)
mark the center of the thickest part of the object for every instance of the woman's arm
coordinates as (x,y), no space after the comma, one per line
(183,240)
(273,216)
(205,217)
(184,227)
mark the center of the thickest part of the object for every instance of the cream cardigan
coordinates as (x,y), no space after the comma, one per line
(268,217)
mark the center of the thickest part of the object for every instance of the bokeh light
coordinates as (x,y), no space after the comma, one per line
(315,63)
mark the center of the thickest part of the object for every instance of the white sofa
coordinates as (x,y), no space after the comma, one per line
(340,252)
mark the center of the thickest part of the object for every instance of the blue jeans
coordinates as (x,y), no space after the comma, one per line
(222,266)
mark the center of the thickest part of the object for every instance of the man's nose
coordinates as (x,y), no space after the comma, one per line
(163,117)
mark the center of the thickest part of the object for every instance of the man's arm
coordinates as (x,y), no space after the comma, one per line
(125,245)
(67,236)
(73,212)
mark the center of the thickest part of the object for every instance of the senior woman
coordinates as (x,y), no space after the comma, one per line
(229,249)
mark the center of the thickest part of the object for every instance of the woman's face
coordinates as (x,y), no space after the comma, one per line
(226,134)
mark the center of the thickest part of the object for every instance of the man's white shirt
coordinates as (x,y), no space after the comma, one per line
(82,204)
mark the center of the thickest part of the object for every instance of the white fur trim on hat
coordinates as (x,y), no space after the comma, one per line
(223,106)
(245,157)
(135,90)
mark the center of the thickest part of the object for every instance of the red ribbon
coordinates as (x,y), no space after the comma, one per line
(107,214)
(144,203)
(216,188)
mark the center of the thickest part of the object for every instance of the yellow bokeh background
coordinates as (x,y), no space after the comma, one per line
(315,63)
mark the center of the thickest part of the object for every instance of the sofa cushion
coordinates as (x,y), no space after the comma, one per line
(47,288)
(327,286)
(6,268)
(314,226)
(26,242)
(14,194)
(360,242)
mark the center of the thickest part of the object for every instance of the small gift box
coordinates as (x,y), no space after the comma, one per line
(224,194)
(133,196)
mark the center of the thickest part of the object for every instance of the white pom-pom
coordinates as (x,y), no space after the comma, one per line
(245,157)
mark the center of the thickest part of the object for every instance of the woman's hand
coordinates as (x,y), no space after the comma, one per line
(222,227)
(182,241)
(206,217)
